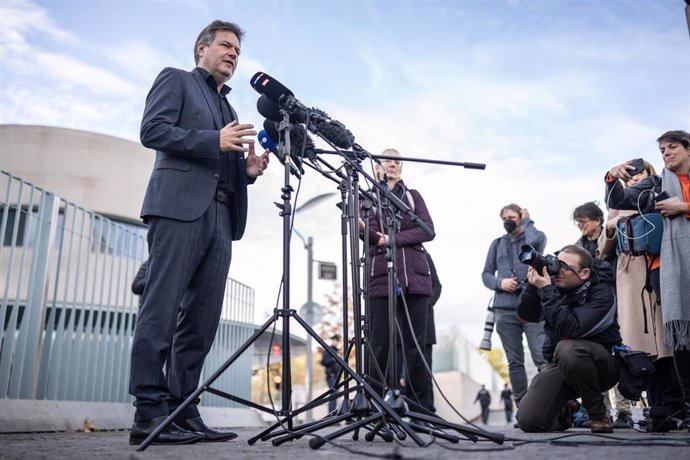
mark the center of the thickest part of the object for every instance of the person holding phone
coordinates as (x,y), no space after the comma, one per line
(671,280)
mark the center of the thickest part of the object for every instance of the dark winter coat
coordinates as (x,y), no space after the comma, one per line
(586,312)
(411,264)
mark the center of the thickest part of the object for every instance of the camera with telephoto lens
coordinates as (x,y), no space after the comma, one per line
(530,256)
(485,344)
(657,419)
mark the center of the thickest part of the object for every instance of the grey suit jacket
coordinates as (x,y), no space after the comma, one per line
(182,122)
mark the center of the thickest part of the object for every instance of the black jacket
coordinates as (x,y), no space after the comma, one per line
(327,361)
(586,312)
(639,197)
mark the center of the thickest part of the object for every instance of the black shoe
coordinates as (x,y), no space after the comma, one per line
(623,421)
(172,434)
(209,434)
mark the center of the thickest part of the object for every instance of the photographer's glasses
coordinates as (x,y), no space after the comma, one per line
(567,268)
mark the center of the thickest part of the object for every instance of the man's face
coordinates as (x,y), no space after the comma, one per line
(590,228)
(221,56)
(675,156)
(571,274)
(509,214)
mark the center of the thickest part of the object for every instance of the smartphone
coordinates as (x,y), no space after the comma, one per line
(661,196)
(638,163)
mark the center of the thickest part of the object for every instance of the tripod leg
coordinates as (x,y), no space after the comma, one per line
(204,386)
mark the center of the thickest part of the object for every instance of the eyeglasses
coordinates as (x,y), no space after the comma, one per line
(566,268)
(581,223)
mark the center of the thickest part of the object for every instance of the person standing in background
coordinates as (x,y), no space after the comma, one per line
(505,275)
(484,398)
(507,398)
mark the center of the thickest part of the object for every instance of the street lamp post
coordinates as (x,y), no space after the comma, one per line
(309,307)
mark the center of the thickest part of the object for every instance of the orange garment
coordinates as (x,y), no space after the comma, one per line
(684,180)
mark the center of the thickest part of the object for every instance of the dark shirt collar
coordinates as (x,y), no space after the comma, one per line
(211,82)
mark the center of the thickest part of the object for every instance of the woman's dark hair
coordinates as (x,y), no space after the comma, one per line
(679,136)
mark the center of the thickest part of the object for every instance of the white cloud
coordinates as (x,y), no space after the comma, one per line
(23,17)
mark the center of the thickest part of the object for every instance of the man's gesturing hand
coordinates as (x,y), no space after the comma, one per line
(255,163)
(234,137)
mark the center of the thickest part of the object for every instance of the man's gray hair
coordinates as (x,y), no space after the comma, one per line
(207,35)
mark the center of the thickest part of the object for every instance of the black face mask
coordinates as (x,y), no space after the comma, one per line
(509,225)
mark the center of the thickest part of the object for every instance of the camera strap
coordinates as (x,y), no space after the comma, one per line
(510,256)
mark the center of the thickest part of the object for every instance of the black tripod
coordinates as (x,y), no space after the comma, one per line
(419,420)
(365,409)
(364,396)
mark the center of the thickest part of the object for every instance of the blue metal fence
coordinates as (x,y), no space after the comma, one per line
(66,306)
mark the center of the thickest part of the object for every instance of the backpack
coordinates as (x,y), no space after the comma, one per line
(640,234)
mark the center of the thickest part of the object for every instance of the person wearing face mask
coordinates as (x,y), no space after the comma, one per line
(671,279)
(505,275)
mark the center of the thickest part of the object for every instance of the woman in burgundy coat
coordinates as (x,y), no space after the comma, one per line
(414,287)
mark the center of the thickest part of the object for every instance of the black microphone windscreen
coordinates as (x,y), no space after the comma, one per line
(299,138)
(268,109)
(269,87)
(271,128)
(335,132)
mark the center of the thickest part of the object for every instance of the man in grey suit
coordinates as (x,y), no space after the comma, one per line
(195,205)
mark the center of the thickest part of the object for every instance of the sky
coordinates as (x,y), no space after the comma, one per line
(549,94)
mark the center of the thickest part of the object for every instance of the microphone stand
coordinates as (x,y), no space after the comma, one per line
(365,396)
(381,417)
(425,421)
(361,152)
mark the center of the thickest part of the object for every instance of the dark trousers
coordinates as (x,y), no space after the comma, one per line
(186,275)
(511,328)
(509,410)
(662,385)
(681,358)
(485,414)
(428,355)
(418,387)
(333,403)
(580,369)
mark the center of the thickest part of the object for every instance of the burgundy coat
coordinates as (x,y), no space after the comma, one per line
(411,265)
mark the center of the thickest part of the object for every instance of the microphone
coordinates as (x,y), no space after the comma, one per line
(270,140)
(300,137)
(270,87)
(268,109)
(332,130)
(277,92)
(266,142)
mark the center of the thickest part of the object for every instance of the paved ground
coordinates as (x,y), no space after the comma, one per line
(574,444)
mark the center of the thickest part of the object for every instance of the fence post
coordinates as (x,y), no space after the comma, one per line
(33,324)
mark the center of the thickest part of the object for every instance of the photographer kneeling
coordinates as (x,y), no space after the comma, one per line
(579,309)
